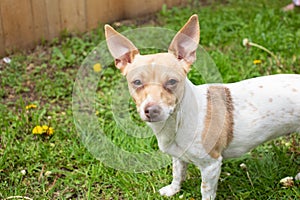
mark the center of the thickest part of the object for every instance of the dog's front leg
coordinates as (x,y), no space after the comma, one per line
(179,172)
(210,173)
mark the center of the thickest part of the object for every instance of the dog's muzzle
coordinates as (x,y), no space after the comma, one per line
(153,113)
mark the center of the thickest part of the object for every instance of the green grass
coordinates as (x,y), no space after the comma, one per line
(45,77)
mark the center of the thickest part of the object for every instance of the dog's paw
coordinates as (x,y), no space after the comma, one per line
(169,190)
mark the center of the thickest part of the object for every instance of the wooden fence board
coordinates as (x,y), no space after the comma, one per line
(17,23)
(115,11)
(2,49)
(171,3)
(52,13)
(39,21)
(73,15)
(106,10)
(95,8)
(135,8)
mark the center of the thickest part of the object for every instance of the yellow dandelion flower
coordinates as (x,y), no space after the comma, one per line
(49,131)
(97,67)
(256,62)
(43,130)
(38,130)
(30,106)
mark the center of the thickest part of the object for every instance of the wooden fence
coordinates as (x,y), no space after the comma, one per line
(23,23)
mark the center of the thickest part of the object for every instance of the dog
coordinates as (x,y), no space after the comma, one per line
(207,123)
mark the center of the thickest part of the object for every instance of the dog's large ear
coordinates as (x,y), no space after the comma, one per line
(185,42)
(121,48)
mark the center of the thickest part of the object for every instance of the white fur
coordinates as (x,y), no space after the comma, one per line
(263,113)
(260,114)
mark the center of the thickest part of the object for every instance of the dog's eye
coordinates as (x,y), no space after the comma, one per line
(137,83)
(171,82)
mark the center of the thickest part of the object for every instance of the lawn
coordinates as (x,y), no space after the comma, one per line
(62,161)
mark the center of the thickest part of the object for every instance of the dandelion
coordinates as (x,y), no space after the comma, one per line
(23,172)
(247,43)
(287,182)
(49,131)
(97,67)
(256,62)
(30,106)
(38,130)
(244,167)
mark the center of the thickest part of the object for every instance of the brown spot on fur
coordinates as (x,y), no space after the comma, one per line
(252,106)
(270,100)
(218,127)
(261,86)
(295,90)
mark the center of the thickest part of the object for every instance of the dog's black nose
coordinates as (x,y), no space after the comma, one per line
(152,112)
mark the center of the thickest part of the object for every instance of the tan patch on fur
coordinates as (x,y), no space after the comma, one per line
(218,129)
(153,71)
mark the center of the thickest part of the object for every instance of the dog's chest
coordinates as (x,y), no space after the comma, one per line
(188,150)
(181,136)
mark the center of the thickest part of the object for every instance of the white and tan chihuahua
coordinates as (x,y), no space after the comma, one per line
(207,123)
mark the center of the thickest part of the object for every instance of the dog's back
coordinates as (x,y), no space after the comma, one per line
(264,108)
